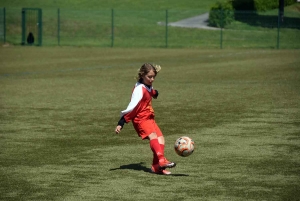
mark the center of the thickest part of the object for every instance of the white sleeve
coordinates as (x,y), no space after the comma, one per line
(136,97)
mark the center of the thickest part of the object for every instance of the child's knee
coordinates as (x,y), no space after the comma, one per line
(152,136)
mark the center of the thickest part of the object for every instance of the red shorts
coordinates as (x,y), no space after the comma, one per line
(145,128)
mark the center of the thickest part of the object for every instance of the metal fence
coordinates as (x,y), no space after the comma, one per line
(3,25)
(156,28)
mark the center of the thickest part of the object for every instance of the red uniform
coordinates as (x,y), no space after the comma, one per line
(140,111)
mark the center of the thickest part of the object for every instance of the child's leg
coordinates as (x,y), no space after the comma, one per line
(156,139)
(164,163)
(160,137)
(161,141)
(155,158)
(162,146)
(156,148)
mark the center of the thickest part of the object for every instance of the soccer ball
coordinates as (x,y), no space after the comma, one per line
(184,146)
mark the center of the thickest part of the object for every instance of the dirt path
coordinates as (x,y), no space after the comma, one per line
(200,22)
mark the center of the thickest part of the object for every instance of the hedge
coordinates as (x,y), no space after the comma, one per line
(259,5)
(221,14)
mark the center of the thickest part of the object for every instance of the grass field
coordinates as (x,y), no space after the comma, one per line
(141,24)
(60,105)
(104,4)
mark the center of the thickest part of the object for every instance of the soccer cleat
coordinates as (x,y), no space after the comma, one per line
(164,163)
(166,172)
(155,169)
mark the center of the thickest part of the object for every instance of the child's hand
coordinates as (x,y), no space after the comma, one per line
(118,129)
(155,95)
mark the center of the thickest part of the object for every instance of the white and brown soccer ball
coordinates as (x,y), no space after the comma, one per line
(184,146)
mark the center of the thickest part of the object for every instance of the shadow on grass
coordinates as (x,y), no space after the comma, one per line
(267,21)
(141,167)
(133,166)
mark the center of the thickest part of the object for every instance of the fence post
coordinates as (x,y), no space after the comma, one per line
(221,38)
(112,27)
(40,17)
(221,30)
(278,28)
(167,28)
(4,25)
(23,27)
(58,26)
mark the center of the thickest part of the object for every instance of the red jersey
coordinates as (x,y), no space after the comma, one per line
(140,106)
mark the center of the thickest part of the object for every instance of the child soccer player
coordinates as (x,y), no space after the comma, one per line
(141,113)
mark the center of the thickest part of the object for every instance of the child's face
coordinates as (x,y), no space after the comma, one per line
(149,78)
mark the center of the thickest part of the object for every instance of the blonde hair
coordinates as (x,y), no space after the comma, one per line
(145,69)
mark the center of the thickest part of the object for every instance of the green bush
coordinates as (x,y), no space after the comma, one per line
(243,4)
(263,5)
(258,5)
(289,2)
(221,14)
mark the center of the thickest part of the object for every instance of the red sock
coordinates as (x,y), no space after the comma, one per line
(156,149)
(155,159)
(162,146)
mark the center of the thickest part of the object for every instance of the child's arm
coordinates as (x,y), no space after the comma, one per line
(154,94)
(118,129)
(131,110)
(120,125)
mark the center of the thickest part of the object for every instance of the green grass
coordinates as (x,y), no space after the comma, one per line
(103,4)
(60,105)
(136,24)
